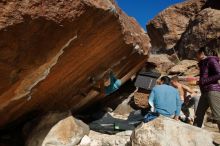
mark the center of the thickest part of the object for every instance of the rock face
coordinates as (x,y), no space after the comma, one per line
(141,100)
(57,129)
(187,27)
(98,139)
(204,30)
(51,49)
(36,133)
(167,27)
(165,131)
(183,66)
(162,62)
(67,132)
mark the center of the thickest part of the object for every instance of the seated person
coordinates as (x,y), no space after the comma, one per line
(187,101)
(164,99)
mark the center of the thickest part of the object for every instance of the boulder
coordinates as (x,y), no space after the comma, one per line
(161,61)
(120,139)
(165,131)
(67,132)
(36,131)
(192,71)
(166,28)
(124,108)
(204,30)
(85,141)
(141,100)
(183,66)
(50,50)
(57,129)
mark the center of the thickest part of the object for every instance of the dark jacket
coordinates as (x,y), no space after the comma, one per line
(209,74)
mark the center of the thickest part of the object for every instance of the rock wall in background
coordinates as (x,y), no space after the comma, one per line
(186,27)
(51,49)
(204,30)
(167,27)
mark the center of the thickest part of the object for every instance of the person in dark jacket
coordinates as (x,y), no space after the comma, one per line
(209,86)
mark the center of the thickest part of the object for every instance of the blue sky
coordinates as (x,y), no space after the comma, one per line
(144,10)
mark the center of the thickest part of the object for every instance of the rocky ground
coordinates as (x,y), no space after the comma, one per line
(110,126)
(63,129)
(47,98)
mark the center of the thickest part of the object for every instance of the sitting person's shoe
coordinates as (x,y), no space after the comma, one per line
(216,144)
(189,121)
(216,140)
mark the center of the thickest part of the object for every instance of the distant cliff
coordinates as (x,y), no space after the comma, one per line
(186,27)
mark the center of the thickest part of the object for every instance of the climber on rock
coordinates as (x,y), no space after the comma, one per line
(107,84)
(113,83)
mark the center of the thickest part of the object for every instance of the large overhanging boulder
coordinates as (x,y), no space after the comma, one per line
(51,48)
(167,27)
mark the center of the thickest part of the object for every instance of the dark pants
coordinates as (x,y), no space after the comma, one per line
(211,99)
(201,110)
(192,102)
